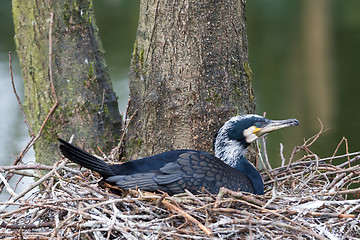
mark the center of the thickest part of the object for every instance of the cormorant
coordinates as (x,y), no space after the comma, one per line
(174,171)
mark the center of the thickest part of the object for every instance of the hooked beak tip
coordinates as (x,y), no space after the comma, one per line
(294,122)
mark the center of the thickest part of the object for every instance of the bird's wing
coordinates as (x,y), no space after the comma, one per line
(144,181)
(164,179)
(203,170)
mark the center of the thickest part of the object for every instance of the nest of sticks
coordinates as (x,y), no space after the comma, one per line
(309,198)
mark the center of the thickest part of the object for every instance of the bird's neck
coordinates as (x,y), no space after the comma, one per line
(252,173)
(233,153)
(229,151)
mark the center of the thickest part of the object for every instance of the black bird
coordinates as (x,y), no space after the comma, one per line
(174,171)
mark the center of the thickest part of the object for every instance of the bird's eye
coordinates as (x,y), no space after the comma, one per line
(257,125)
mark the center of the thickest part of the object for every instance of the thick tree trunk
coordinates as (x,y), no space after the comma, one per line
(87,104)
(189,73)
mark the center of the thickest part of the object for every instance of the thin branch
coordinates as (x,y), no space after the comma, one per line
(307,143)
(263,139)
(8,188)
(50,58)
(25,167)
(26,226)
(116,151)
(283,160)
(17,96)
(187,216)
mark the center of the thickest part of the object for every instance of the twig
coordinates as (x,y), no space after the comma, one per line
(346,149)
(341,192)
(336,179)
(8,188)
(331,215)
(186,215)
(283,160)
(239,195)
(50,58)
(263,139)
(272,199)
(351,160)
(17,96)
(307,143)
(26,226)
(116,151)
(24,174)
(25,167)
(262,160)
(201,203)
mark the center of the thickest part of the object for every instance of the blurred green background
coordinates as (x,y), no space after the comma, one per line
(303,54)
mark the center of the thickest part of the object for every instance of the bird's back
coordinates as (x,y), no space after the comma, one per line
(177,170)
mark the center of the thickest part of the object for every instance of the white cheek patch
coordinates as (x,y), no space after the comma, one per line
(249,135)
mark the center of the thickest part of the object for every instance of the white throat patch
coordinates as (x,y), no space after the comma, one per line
(249,134)
(229,152)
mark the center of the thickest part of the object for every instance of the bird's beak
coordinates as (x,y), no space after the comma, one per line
(273,125)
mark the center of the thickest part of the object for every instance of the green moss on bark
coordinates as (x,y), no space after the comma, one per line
(87,104)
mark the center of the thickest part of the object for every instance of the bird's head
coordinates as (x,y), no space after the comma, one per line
(247,128)
(238,132)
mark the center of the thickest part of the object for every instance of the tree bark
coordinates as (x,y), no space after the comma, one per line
(189,73)
(87,104)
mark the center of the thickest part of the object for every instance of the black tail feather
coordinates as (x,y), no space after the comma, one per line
(85,159)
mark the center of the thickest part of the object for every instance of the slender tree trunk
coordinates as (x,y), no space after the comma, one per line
(87,104)
(189,73)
